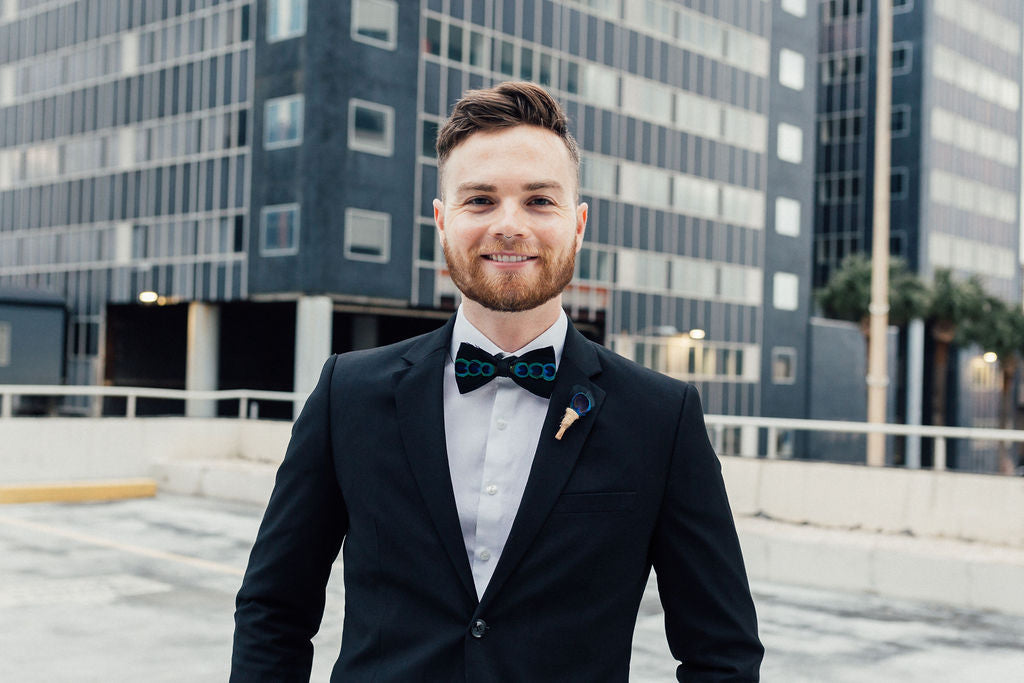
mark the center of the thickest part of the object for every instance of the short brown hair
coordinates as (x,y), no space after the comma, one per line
(508,104)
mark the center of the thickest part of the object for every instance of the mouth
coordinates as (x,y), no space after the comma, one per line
(508,258)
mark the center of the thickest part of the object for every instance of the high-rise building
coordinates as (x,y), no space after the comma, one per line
(955,180)
(265,170)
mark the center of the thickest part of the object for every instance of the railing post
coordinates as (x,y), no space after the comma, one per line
(130,409)
(5,404)
(243,407)
(940,453)
(773,443)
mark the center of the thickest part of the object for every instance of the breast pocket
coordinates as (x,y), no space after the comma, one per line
(612,501)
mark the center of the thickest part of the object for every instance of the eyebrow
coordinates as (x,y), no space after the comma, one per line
(529,187)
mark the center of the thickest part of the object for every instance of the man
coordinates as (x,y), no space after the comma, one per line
(484,538)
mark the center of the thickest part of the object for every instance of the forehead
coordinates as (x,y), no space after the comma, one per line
(510,151)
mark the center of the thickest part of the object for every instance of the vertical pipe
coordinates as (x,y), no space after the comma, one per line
(878,377)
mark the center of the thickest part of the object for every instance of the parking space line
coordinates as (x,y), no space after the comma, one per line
(123,547)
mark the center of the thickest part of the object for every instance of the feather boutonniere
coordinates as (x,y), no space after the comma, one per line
(579,405)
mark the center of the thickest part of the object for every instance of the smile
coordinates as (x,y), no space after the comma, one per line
(508,258)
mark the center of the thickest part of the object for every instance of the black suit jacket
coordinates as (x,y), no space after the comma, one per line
(634,483)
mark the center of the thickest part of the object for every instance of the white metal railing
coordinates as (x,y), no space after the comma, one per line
(773,425)
(132,394)
(939,434)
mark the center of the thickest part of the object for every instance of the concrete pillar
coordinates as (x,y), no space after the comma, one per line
(314,317)
(915,389)
(364,332)
(201,357)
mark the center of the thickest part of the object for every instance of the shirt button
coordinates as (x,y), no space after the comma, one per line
(501,424)
(491,489)
(485,555)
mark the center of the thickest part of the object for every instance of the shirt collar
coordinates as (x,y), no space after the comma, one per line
(554,336)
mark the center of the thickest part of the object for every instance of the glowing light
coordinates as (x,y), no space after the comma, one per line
(696,333)
(990,357)
(148,297)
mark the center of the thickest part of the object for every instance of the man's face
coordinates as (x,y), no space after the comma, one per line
(509,223)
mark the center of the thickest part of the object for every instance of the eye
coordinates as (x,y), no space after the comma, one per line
(478,201)
(541,201)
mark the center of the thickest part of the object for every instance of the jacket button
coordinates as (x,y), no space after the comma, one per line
(478,628)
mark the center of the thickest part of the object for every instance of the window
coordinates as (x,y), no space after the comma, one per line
(798,8)
(696,196)
(285,19)
(787,216)
(745,129)
(279,230)
(282,125)
(375,22)
(644,184)
(783,365)
(841,9)
(790,143)
(791,69)
(371,127)
(842,68)
(900,121)
(785,291)
(429,139)
(455,40)
(432,43)
(698,115)
(841,127)
(597,175)
(902,58)
(5,343)
(743,206)
(367,235)
(899,182)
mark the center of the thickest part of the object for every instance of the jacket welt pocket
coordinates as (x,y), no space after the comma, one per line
(618,501)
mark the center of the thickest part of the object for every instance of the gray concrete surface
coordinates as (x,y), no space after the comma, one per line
(144,589)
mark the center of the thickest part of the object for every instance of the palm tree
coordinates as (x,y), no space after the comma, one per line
(999,328)
(951,304)
(847,296)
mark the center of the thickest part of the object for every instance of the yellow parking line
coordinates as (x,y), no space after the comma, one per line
(77,491)
(123,547)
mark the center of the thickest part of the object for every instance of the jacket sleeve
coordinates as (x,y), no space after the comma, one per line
(709,614)
(281,601)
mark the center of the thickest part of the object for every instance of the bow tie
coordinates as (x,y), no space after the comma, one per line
(533,371)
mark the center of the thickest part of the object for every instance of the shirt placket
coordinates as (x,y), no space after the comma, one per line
(495,488)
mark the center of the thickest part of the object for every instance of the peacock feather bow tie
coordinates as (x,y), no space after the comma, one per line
(533,371)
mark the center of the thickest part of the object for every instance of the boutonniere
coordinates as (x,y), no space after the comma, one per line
(579,405)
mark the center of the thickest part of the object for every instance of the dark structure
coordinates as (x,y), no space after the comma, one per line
(260,174)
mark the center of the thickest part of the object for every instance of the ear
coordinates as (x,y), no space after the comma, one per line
(581,224)
(439,218)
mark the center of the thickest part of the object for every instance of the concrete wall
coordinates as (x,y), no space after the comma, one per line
(236,460)
(983,508)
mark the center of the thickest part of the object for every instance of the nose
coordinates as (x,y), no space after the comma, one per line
(511,221)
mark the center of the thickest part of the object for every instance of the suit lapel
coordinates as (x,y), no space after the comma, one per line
(419,396)
(554,460)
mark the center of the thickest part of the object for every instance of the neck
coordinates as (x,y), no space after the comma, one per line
(512,331)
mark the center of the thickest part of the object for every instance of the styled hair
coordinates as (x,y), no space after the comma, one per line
(508,104)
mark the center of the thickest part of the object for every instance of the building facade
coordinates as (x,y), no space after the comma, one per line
(955,172)
(263,172)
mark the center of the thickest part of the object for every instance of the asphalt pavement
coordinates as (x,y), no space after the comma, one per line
(143,590)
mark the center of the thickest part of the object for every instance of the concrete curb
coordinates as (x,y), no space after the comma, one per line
(78,491)
(948,572)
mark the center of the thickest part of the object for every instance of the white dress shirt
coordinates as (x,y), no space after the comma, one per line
(491,435)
